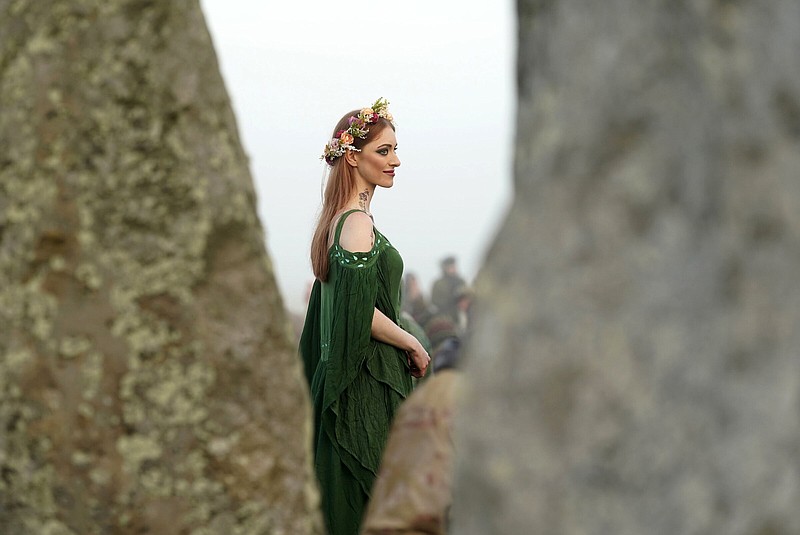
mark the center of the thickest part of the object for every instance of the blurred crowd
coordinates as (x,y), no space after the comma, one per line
(446,313)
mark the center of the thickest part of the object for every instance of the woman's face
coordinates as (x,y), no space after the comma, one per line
(378,159)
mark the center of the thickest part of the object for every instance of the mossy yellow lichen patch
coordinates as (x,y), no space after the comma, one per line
(178,394)
(89,276)
(72,346)
(91,375)
(137,449)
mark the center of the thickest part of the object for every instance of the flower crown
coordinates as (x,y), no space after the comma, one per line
(358,128)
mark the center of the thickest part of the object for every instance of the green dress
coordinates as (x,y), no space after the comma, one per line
(357,383)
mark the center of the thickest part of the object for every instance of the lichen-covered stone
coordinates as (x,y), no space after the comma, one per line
(147,378)
(635,368)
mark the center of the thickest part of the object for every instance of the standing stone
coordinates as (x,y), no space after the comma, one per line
(147,383)
(636,366)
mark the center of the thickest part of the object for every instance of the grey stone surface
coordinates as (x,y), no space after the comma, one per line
(635,367)
(148,382)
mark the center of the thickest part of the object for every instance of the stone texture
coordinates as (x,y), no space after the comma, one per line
(635,367)
(147,383)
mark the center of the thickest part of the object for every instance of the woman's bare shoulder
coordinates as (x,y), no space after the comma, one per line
(357,232)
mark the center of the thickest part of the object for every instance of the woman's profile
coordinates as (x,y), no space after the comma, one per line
(359,363)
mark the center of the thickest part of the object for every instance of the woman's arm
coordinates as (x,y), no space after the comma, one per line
(357,235)
(386,331)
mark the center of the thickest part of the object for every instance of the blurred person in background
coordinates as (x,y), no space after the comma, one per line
(443,293)
(414,301)
(464,297)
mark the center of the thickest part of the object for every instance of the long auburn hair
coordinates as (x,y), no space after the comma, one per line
(339,190)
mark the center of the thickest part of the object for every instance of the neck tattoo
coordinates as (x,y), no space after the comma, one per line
(363,197)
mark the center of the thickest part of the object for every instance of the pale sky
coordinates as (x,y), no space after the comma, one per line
(447,69)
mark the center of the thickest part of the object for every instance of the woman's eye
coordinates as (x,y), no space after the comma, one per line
(384,152)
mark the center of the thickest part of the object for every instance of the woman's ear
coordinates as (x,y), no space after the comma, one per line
(350,158)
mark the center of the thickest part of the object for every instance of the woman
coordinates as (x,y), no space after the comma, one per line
(358,361)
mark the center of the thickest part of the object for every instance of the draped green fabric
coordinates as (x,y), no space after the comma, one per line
(356,382)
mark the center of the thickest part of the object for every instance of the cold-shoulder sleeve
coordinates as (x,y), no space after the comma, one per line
(356,402)
(348,305)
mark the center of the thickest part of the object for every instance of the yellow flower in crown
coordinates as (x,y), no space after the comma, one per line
(346,139)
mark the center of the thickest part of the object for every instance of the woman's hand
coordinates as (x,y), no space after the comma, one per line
(387,331)
(418,359)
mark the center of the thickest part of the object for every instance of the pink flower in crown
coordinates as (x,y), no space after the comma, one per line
(358,127)
(346,139)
